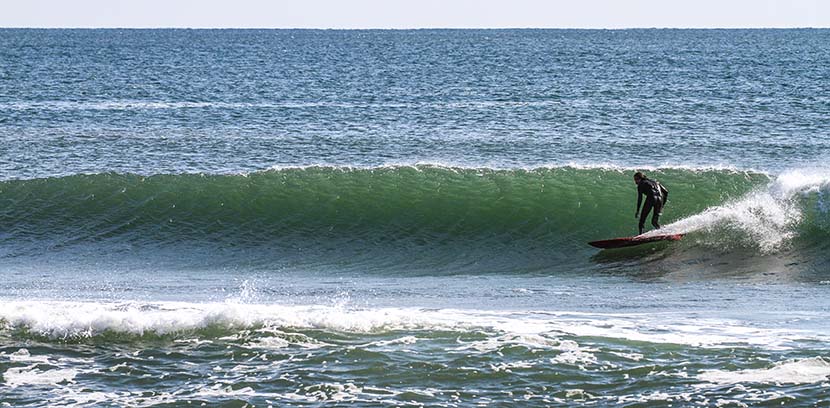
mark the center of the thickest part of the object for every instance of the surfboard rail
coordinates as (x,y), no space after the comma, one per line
(634,241)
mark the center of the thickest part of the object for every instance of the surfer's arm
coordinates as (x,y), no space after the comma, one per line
(639,201)
(665,192)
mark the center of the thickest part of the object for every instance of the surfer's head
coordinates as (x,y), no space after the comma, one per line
(638,176)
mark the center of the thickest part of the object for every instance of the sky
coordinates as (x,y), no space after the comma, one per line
(416,13)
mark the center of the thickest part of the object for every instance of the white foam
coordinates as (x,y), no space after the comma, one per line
(730,403)
(280,339)
(401,340)
(573,354)
(534,330)
(31,375)
(578,394)
(628,356)
(509,367)
(531,341)
(87,319)
(328,392)
(803,371)
(619,167)
(23,355)
(767,217)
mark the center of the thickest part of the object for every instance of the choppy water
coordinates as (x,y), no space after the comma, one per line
(399,218)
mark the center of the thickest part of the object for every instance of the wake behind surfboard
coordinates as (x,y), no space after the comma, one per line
(634,241)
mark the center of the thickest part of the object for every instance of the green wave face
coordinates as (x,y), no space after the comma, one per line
(428,214)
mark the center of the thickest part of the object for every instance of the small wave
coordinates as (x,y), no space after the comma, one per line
(81,321)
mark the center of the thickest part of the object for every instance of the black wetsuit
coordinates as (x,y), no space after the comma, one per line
(656,196)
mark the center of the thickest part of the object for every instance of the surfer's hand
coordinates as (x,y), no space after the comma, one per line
(636,215)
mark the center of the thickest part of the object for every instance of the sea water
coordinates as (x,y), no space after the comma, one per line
(400,218)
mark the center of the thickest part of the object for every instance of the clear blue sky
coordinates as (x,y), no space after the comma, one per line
(415,13)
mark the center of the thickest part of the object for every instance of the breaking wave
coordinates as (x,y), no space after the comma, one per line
(455,217)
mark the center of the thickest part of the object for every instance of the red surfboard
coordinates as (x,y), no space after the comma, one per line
(633,241)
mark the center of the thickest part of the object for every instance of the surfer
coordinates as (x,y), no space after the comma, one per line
(656,196)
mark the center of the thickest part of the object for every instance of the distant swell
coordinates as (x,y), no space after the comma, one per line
(463,216)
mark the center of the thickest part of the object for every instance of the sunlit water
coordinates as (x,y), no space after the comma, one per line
(400,218)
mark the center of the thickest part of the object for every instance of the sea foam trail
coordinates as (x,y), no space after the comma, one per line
(768,217)
(90,320)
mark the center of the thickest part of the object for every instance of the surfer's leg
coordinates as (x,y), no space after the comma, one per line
(655,218)
(644,215)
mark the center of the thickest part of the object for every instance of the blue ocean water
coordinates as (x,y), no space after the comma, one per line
(323,217)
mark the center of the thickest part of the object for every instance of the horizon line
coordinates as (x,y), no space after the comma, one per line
(405,28)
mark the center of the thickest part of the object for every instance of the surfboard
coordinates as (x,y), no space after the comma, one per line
(633,241)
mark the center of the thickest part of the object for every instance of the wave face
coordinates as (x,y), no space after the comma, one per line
(422,216)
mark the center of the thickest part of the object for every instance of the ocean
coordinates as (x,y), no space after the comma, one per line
(401,217)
